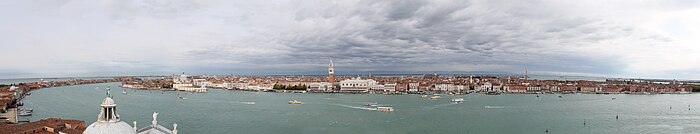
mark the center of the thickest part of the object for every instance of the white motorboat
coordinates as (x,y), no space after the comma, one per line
(385,109)
(295,102)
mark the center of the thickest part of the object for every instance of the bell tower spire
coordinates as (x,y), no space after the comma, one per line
(331,72)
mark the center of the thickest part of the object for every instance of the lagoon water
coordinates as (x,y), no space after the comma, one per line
(224,111)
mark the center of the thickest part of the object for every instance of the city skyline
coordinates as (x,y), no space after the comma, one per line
(627,39)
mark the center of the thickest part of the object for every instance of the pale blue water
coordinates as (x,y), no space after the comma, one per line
(223,111)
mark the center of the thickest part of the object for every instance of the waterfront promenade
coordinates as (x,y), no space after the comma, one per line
(419,84)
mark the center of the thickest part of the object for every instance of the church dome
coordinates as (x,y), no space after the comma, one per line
(108,102)
(109,128)
(108,120)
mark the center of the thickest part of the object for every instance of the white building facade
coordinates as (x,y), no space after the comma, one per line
(357,85)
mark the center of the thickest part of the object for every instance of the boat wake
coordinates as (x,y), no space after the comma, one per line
(494,107)
(443,105)
(356,107)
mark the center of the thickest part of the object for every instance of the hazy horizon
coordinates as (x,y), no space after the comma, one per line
(654,39)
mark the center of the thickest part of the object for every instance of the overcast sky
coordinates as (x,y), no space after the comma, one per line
(613,38)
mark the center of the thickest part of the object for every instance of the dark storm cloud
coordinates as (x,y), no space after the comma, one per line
(386,35)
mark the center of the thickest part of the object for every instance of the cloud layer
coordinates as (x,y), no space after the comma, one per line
(645,38)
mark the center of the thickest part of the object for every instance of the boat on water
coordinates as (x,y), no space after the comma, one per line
(385,109)
(493,93)
(26,109)
(295,102)
(249,103)
(424,96)
(25,113)
(613,98)
(124,92)
(180,97)
(372,104)
(560,96)
(457,99)
(435,97)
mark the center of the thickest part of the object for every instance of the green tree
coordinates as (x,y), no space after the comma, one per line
(696,88)
(166,86)
(277,87)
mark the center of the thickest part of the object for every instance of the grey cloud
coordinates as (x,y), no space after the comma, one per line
(408,33)
(368,35)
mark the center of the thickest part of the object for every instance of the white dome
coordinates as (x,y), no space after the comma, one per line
(109,128)
(108,102)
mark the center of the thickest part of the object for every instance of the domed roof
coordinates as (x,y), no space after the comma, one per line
(109,128)
(108,102)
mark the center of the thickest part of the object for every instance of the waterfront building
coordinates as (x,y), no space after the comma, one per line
(486,87)
(448,87)
(319,86)
(423,87)
(357,85)
(133,85)
(553,88)
(455,88)
(377,88)
(413,87)
(590,89)
(184,83)
(182,78)
(256,87)
(517,89)
(390,87)
(441,87)
(227,85)
(201,82)
(534,88)
(498,88)
(401,87)
(237,86)
(189,87)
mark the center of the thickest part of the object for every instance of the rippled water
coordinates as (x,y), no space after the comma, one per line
(223,111)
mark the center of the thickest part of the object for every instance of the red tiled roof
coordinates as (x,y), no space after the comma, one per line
(55,123)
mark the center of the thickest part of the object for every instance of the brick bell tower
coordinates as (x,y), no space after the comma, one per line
(331,79)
